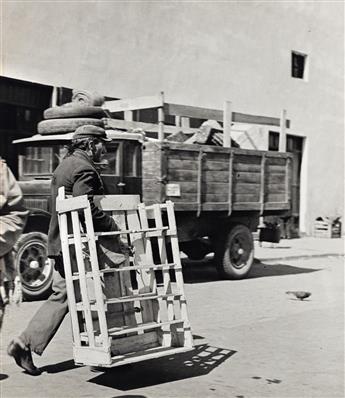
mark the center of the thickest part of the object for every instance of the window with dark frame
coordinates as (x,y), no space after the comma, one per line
(298,65)
(273,141)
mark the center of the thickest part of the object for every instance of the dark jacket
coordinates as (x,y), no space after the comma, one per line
(78,174)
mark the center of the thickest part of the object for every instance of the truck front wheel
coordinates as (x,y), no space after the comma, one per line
(236,255)
(33,265)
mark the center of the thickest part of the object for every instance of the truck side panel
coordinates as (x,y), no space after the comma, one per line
(208,178)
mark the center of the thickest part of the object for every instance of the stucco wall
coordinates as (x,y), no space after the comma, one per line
(199,54)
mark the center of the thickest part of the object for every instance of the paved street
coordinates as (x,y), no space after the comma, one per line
(251,339)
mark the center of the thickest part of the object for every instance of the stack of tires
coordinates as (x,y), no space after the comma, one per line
(84,109)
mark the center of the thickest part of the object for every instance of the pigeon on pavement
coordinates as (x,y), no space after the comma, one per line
(300,295)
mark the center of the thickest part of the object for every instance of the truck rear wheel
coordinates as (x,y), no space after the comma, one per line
(33,265)
(236,255)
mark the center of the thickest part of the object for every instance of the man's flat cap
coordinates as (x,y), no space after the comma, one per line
(89,131)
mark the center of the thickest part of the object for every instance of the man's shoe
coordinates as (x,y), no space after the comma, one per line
(22,357)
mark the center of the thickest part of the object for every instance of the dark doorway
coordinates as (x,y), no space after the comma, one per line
(21,107)
(294,145)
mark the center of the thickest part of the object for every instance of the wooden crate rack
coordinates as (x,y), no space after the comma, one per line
(128,308)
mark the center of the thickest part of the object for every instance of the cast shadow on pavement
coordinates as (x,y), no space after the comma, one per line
(201,361)
(260,270)
(60,367)
(205,270)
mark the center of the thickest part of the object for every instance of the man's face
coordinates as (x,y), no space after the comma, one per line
(98,151)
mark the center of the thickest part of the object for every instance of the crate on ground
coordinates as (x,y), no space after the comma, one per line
(327,227)
(128,308)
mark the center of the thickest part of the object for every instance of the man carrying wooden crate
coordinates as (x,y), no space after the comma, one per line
(78,174)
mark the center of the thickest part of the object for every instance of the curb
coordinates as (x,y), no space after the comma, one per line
(300,256)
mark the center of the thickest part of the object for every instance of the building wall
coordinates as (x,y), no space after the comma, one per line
(200,53)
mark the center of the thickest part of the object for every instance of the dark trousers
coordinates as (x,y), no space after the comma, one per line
(45,323)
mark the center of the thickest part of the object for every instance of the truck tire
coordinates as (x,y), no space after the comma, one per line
(235,256)
(33,265)
(53,126)
(75,110)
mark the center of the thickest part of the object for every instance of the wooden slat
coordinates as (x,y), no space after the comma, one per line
(276,161)
(82,279)
(124,279)
(262,184)
(287,180)
(277,206)
(118,124)
(188,337)
(243,177)
(275,178)
(272,188)
(246,197)
(282,135)
(227,118)
(141,297)
(252,119)
(247,187)
(245,155)
(118,202)
(276,197)
(137,103)
(66,205)
(144,326)
(176,154)
(244,206)
(163,167)
(191,164)
(199,180)
(193,111)
(136,341)
(161,118)
(250,168)
(168,305)
(98,285)
(249,205)
(230,186)
(145,231)
(149,267)
(143,255)
(92,356)
(68,273)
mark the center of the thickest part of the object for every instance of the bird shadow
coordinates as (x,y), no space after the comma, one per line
(296,299)
(205,270)
(3,376)
(129,396)
(198,362)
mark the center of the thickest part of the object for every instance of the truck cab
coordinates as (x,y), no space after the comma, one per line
(39,155)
